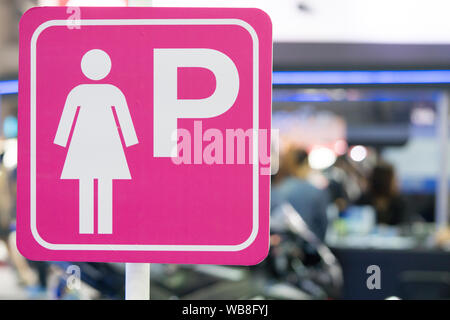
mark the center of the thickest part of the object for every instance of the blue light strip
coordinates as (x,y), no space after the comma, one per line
(360,77)
(279,96)
(9,87)
(329,78)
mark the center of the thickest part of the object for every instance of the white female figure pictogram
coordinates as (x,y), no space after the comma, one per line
(95,150)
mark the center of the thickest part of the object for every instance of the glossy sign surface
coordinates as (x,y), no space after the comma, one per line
(102,100)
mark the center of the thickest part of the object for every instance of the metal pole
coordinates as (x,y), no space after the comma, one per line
(441,213)
(137,281)
(137,275)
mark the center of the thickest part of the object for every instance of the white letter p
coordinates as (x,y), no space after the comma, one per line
(168,108)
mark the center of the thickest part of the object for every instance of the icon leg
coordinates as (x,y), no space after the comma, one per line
(105,218)
(86,209)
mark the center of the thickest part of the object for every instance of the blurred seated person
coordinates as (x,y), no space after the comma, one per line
(383,195)
(310,202)
(336,188)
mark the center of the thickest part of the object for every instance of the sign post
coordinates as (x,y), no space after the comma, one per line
(137,281)
(137,276)
(144,137)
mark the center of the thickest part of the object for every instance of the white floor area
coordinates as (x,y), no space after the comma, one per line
(9,286)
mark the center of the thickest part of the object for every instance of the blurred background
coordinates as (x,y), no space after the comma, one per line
(361,102)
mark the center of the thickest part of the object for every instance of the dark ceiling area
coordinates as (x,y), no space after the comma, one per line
(359,56)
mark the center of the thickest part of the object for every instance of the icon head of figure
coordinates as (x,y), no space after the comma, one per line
(96,64)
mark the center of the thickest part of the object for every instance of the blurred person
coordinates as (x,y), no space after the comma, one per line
(336,187)
(5,204)
(283,170)
(383,195)
(7,235)
(31,274)
(442,238)
(309,201)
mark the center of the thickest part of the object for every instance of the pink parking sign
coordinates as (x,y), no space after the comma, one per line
(144,135)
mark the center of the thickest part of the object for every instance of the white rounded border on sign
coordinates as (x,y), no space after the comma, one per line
(145,247)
